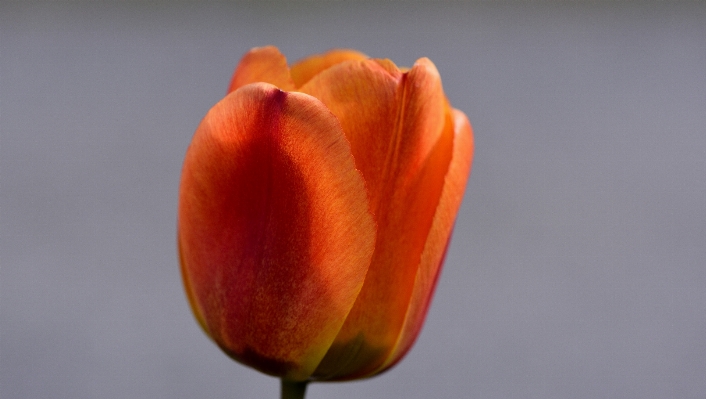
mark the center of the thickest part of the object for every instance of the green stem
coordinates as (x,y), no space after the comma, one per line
(293,389)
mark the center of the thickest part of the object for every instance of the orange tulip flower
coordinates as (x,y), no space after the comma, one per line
(315,208)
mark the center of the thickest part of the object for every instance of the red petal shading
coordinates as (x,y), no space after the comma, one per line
(397,126)
(309,67)
(439,236)
(262,64)
(275,232)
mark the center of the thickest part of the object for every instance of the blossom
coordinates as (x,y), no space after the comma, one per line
(315,209)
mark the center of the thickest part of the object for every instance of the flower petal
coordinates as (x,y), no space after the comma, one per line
(262,64)
(402,143)
(309,67)
(439,237)
(275,232)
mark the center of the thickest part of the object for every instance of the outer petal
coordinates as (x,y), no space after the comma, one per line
(275,233)
(262,64)
(309,67)
(402,143)
(439,236)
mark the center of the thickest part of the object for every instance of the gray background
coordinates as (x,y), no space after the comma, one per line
(578,265)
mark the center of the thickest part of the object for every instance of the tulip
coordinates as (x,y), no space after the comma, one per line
(315,209)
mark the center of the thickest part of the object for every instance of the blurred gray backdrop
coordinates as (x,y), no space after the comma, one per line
(578,264)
